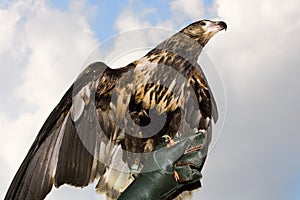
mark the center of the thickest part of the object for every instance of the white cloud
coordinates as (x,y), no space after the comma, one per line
(132,17)
(41,51)
(127,20)
(58,42)
(261,39)
(8,21)
(257,58)
(193,9)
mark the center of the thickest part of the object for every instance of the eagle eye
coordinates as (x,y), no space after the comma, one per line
(202,23)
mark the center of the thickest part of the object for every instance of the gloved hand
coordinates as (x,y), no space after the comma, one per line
(169,171)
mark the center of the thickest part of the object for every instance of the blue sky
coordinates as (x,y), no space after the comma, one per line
(257,156)
(107,12)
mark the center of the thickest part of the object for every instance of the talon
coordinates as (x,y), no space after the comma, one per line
(170,142)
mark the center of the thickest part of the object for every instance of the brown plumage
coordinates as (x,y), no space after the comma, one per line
(108,115)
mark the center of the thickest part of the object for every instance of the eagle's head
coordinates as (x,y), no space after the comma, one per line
(203,30)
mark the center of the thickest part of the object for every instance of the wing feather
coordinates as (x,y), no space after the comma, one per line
(66,150)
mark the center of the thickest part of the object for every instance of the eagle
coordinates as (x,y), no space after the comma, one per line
(110,118)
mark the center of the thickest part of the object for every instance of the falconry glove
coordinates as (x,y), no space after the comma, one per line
(177,169)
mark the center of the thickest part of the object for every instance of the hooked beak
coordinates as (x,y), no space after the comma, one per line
(222,25)
(216,26)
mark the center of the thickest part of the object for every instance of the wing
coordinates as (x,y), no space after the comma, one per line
(199,83)
(205,109)
(74,144)
(199,74)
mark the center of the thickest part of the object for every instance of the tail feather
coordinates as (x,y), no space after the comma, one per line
(113,183)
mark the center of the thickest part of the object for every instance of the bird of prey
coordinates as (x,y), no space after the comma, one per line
(110,118)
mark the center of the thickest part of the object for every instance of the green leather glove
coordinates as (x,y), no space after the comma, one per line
(169,171)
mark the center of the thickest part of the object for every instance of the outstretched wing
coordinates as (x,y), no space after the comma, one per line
(74,144)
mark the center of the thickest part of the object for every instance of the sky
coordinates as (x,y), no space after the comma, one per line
(44,43)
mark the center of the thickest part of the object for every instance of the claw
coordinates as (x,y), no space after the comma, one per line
(169,140)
